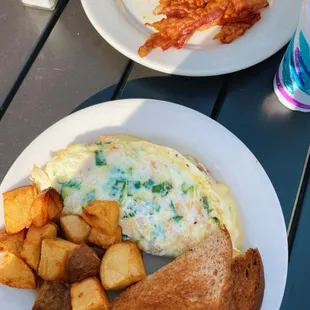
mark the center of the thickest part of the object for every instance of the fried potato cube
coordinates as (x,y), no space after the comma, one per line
(47,205)
(102,215)
(31,250)
(89,295)
(53,295)
(83,263)
(54,257)
(17,204)
(12,243)
(121,266)
(74,228)
(102,240)
(15,272)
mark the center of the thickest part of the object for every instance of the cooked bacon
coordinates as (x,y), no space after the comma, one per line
(178,8)
(184,17)
(249,5)
(174,32)
(232,31)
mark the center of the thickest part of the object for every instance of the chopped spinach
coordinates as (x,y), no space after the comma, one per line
(132,213)
(177,218)
(103,143)
(172,207)
(118,189)
(157,208)
(162,189)
(187,188)
(148,184)
(132,186)
(100,159)
(205,204)
(73,184)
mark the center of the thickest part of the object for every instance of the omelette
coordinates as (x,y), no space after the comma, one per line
(167,204)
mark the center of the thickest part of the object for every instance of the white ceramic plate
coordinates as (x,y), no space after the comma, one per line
(121,23)
(228,159)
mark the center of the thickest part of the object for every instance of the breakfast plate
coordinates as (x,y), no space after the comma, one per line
(227,158)
(122,24)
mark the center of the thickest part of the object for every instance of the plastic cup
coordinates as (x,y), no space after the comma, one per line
(292,80)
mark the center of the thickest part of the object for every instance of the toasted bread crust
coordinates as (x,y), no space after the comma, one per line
(198,279)
(248,281)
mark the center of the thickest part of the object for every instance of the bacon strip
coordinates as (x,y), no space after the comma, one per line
(249,5)
(179,8)
(175,32)
(184,17)
(231,31)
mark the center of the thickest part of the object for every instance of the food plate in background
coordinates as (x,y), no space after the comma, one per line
(227,158)
(121,24)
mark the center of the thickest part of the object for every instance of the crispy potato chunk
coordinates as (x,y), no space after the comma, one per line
(47,205)
(102,215)
(53,295)
(16,273)
(102,240)
(83,263)
(12,243)
(17,204)
(89,295)
(74,228)
(54,258)
(31,250)
(121,266)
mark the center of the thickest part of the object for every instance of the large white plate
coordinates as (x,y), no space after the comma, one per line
(191,133)
(121,23)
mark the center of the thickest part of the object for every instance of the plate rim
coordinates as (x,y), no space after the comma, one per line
(145,61)
(137,101)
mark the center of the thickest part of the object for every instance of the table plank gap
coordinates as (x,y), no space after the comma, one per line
(220,100)
(297,288)
(298,205)
(277,136)
(74,63)
(32,57)
(123,81)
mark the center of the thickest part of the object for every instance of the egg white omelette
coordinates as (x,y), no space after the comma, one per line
(167,204)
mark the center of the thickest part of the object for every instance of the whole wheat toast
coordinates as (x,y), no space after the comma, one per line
(198,279)
(248,281)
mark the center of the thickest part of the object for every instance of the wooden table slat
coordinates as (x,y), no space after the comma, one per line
(197,93)
(20,29)
(74,64)
(278,137)
(297,288)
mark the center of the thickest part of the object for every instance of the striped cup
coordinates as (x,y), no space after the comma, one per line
(292,80)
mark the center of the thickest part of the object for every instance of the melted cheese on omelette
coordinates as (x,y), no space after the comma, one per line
(167,204)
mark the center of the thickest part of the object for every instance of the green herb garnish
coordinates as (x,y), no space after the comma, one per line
(162,189)
(148,184)
(177,218)
(172,207)
(187,188)
(100,159)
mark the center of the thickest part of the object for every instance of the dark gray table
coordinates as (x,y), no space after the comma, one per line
(60,64)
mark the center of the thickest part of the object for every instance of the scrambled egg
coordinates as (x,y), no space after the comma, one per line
(167,204)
